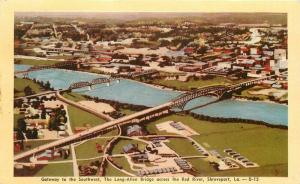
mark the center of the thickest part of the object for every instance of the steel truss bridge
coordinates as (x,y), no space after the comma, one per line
(91,83)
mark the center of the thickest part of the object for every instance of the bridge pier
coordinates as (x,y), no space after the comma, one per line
(25,75)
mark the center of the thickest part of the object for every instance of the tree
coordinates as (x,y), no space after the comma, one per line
(34,133)
(58,45)
(47,85)
(28,90)
(43,114)
(22,125)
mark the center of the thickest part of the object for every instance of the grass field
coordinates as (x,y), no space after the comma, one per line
(111,171)
(36,62)
(266,146)
(202,166)
(205,169)
(246,93)
(88,149)
(127,111)
(179,85)
(201,126)
(79,118)
(118,148)
(76,97)
(20,84)
(61,169)
(88,162)
(122,161)
(183,147)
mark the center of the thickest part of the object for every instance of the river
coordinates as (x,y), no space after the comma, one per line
(128,91)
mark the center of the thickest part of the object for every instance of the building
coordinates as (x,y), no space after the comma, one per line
(224,65)
(183,164)
(280,54)
(130,148)
(141,157)
(134,130)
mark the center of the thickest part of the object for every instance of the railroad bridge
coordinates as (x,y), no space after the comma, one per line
(96,81)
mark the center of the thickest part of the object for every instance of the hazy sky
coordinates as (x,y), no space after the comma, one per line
(123,15)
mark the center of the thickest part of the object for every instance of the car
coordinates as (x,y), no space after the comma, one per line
(240,157)
(236,155)
(245,160)
(232,153)
(227,150)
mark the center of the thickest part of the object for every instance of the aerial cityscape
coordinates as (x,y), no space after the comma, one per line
(150,94)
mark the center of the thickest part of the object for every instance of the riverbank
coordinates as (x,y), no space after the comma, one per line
(247,99)
(235,120)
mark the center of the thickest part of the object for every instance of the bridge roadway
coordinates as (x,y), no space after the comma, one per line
(77,137)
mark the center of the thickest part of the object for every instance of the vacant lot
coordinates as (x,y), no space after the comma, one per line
(192,83)
(35,62)
(80,118)
(64,169)
(20,84)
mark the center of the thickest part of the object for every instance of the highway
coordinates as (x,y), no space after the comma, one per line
(92,130)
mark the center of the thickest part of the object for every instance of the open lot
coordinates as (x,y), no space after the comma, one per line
(192,83)
(20,84)
(61,169)
(88,149)
(183,147)
(76,97)
(36,62)
(122,161)
(111,171)
(80,118)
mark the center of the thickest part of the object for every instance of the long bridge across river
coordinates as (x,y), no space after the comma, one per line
(140,116)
